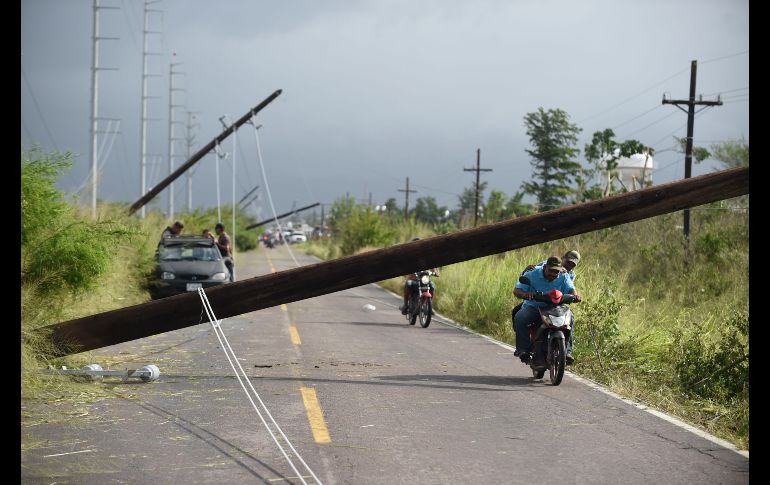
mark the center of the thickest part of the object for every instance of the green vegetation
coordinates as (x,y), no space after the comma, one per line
(553,156)
(659,323)
(95,265)
(64,256)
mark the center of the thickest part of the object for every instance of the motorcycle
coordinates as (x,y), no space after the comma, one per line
(550,337)
(420,303)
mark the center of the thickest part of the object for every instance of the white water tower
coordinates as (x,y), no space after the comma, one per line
(635,171)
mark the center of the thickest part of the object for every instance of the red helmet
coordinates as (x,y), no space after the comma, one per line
(555,296)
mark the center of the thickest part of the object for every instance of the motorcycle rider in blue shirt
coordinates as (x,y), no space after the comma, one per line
(551,275)
(569,261)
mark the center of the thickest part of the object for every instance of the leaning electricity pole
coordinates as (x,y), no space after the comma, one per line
(200,154)
(406,194)
(691,103)
(478,170)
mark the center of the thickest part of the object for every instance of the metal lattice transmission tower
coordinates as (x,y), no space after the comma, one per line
(189,141)
(145,97)
(95,101)
(171,137)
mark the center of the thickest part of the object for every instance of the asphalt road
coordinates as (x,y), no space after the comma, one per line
(364,398)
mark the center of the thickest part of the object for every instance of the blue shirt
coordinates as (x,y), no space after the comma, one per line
(538,282)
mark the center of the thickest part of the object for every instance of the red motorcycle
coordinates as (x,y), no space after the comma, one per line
(420,303)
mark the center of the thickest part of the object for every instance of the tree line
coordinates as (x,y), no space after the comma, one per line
(558,176)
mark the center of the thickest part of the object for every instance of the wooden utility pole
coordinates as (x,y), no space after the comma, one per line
(200,154)
(281,216)
(478,170)
(173,313)
(247,195)
(691,103)
(406,203)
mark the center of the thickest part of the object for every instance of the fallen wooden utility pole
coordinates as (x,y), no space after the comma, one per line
(281,216)
(232,299)
(200,154)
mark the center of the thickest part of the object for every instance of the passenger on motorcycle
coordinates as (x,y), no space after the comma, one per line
(551,275)
(411,279)
(569,261)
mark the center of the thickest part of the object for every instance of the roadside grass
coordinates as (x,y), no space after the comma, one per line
(121,283)
(660,323)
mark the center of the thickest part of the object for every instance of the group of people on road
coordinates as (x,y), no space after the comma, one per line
(222,241)
(553,273)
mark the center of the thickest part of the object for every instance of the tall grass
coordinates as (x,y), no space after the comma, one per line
(73,265)
(662,320)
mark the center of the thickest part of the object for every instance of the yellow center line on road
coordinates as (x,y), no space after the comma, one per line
(315,415)
(294,335)
(293,332)
(270,263)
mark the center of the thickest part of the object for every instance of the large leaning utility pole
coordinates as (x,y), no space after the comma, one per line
(691,104)
(406,202)
(248,295)
(478,170)
(200,154)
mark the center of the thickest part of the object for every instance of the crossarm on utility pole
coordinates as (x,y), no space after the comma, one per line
(173,313)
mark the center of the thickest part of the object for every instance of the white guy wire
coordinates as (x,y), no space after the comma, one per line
(267,189)
(215,324)
(100,152)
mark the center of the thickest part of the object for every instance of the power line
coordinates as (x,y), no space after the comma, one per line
(632,97)
(636,117)
(651,124)
(725,92)
(676,130)
(130,27)
(37,108)
(669,165)
(436,190)
(725,57)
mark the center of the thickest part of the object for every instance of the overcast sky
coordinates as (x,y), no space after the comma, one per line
(375,91)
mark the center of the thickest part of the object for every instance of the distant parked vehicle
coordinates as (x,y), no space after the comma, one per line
(297,237)
(186,263)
